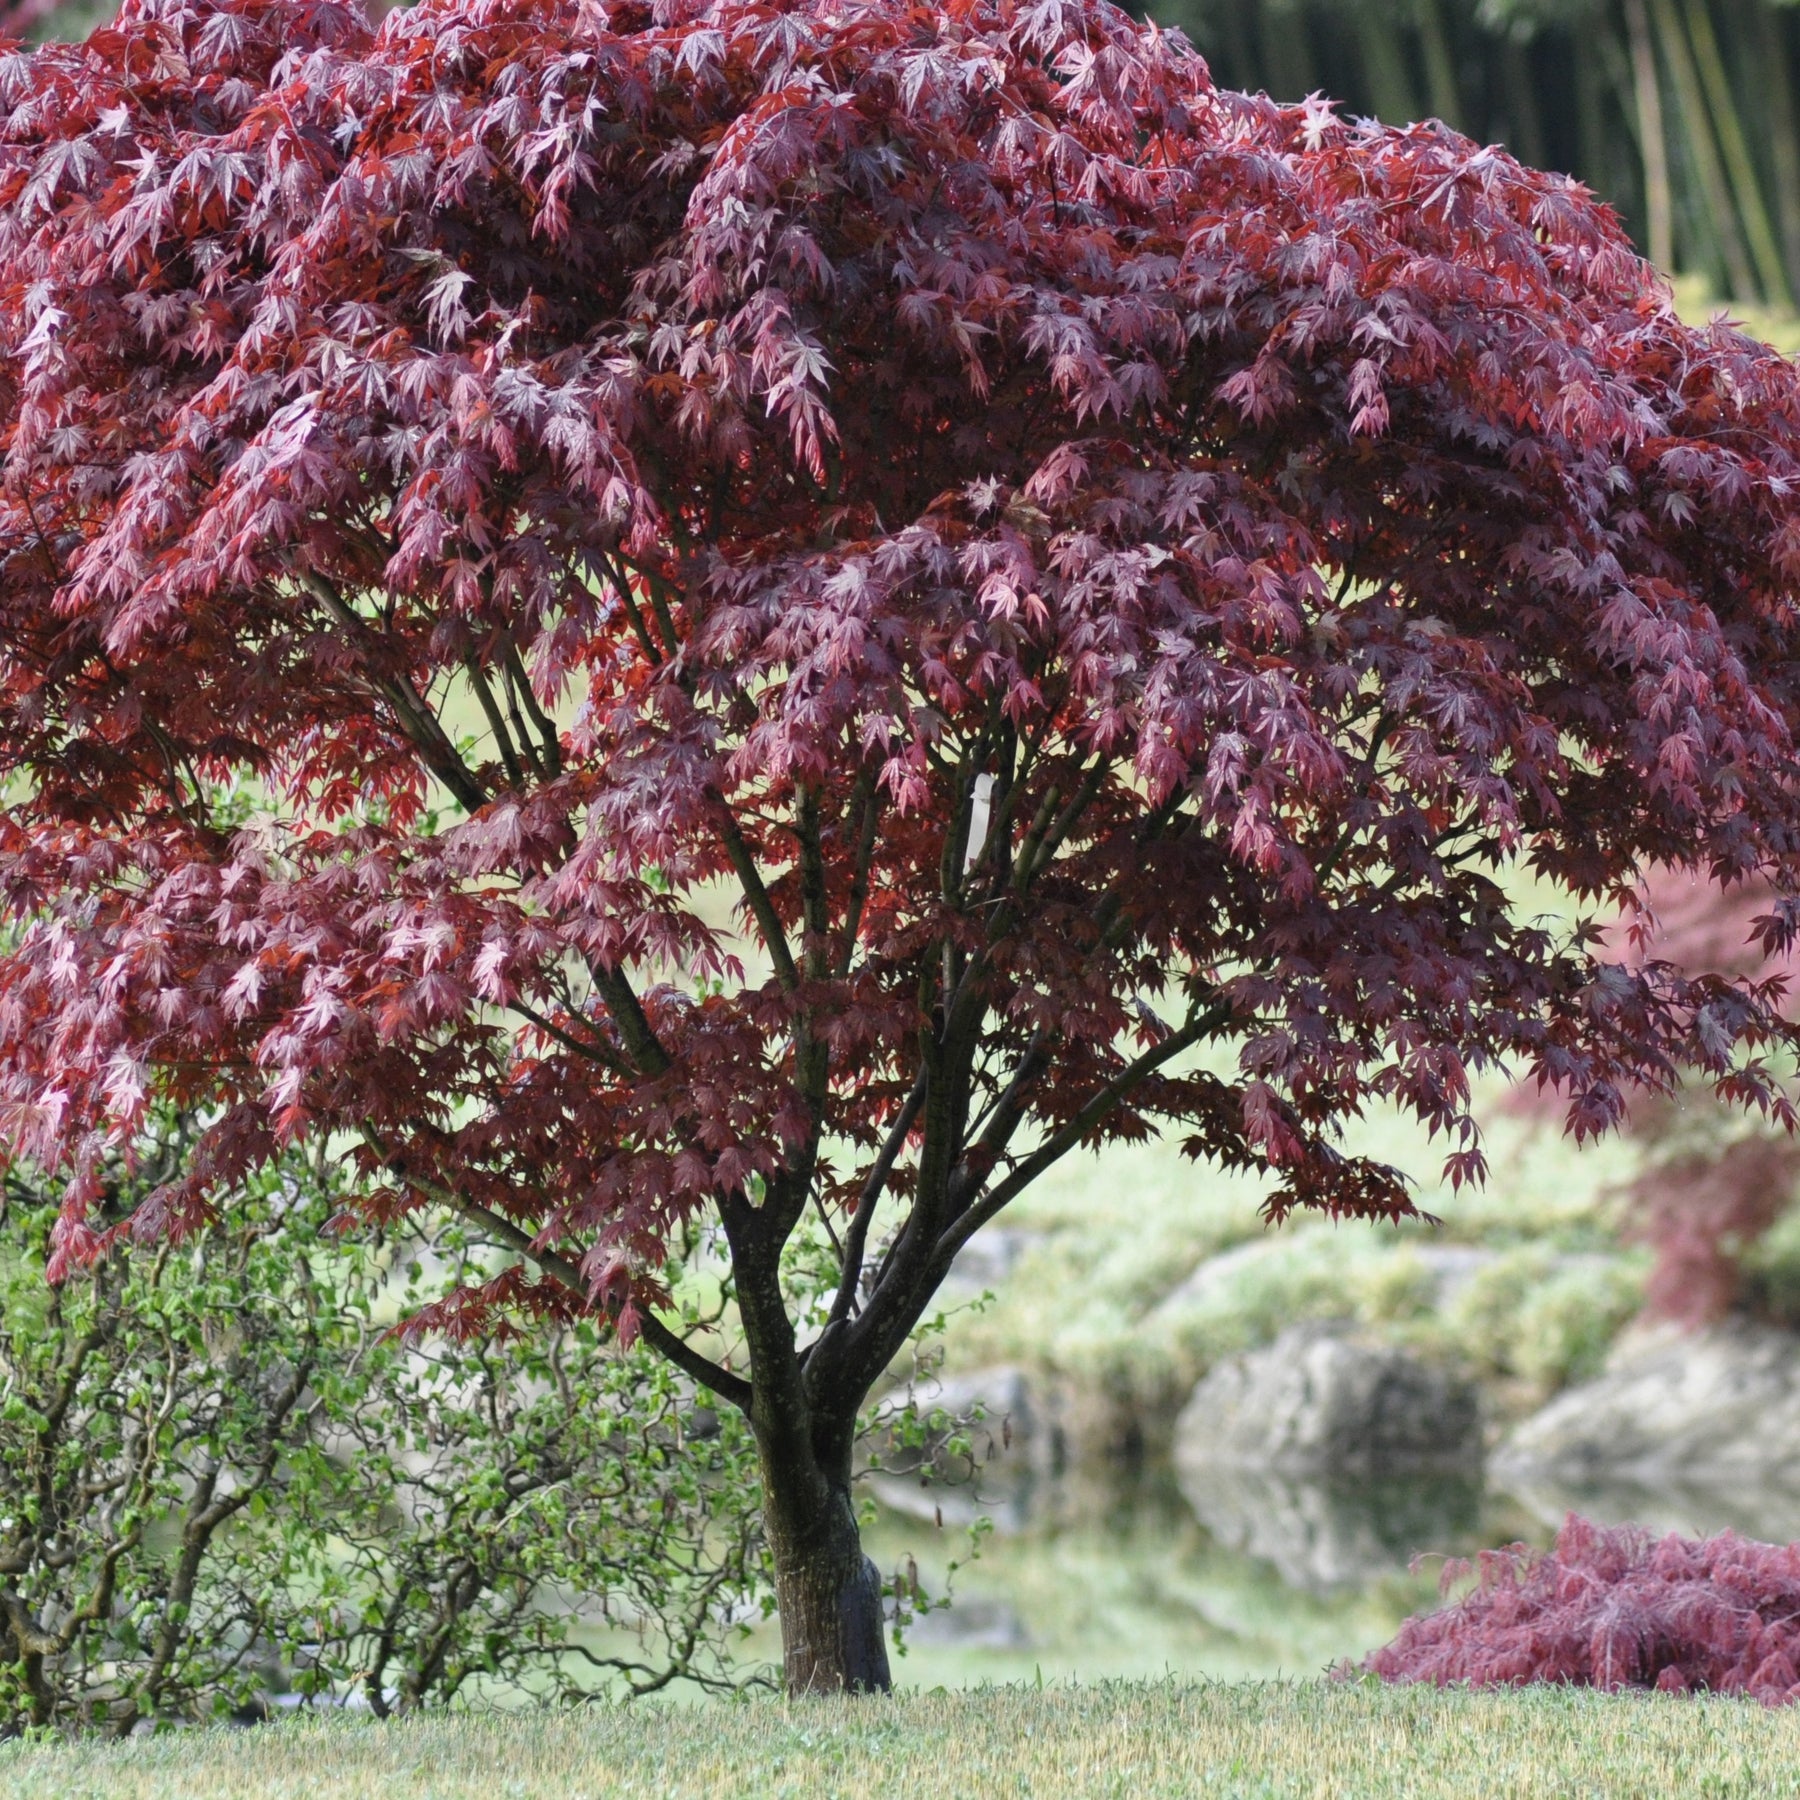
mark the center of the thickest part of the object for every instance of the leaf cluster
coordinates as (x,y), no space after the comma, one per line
(1101,578)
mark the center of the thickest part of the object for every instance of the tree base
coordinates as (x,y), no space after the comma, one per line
(832,1629)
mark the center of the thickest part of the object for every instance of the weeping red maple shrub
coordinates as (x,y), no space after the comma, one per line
(723,629)
(1615,1607)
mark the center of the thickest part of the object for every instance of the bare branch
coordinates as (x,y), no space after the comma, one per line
(642,1044)
(550,756)
(592,1052)
(1004,1118)
(416,719)
(509,759)
(621,586)
(857,1237)
(815,946)
(1055,832)
(756,893)
(870,797)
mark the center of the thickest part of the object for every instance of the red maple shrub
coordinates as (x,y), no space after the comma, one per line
(1700,1211)
(1712,1181)
(1615,1607)
(1104,575)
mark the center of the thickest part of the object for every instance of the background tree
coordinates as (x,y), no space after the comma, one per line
(1713,1183)
(818,608)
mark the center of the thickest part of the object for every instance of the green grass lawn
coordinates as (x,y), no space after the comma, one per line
(1145,1741)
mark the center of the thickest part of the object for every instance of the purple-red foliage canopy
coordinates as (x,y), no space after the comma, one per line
(1617,1608)
(780,433)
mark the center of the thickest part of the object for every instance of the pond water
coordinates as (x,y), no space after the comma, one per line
(1241,1575)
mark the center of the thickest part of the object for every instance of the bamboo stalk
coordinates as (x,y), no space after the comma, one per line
(1242,54)
(1659,211)
(1612,154)
(1524,125)
(1784,136)
(1746,187)
(1440,66)
(1390,90)
(1703,148)
(1284,50)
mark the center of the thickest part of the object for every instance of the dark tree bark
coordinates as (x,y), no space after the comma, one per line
(827,1589)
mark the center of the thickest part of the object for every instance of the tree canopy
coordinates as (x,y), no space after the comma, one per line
(1113,580)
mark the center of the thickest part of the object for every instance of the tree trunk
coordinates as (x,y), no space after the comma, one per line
(828,1592)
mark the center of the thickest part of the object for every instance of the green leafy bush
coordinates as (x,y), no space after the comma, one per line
(1542,1318)
(224,1477)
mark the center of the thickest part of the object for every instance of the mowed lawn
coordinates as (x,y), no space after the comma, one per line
(1147,1741)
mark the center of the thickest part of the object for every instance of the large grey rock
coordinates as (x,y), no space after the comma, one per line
(1718,1410)
(1322,1401)
(1767,1511)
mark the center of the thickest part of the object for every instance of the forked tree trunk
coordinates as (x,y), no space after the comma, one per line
(828,1592)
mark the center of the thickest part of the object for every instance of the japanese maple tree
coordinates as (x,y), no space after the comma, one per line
(1108,576)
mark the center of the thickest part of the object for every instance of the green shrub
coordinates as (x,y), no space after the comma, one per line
(222,1473)
(1544,1319)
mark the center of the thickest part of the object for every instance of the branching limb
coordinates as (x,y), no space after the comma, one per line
(642,1044)
(815,948)
(755,891)
(590,1051)
(416,719)
(856,1239)
(621,586)
(1051,829)
(509,758)
(866,804)
(1002,1120)
(567,1274)
(550,754)
(971,1220)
